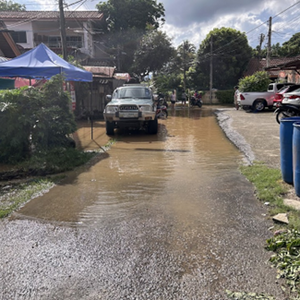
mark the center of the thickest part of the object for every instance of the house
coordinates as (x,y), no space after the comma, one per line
(30,28)
(289,69)
(8,47)
(276,68)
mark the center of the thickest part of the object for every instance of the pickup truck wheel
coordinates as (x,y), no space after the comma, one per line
(153,126)
(110,126)
(259,105)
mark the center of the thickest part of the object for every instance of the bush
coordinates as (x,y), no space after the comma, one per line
(258,82)
(225,97)
(56,160)
(34,120)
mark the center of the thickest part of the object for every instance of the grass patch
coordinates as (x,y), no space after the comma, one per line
(56,160)
(271,188)
(13,196)
(286,242)
(268,182)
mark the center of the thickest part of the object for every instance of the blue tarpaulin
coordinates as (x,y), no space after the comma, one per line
(42,63)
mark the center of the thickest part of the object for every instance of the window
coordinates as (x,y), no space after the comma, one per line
(72,41)
(54,41)
(19,36)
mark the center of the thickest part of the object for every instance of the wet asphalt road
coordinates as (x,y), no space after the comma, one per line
(166,217)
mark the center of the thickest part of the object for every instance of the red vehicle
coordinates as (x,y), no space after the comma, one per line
(279,96)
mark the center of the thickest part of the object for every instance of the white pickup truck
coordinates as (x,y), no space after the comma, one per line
(257,101)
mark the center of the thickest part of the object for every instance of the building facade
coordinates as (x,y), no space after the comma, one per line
(30,28)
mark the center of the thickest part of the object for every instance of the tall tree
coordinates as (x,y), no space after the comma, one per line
(292,46)
(230,53)
(185,58)
(11,6)
(124,14)
(126,21)
(154,51)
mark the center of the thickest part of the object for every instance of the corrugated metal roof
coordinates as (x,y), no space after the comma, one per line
(291,63)
(46,15)
(2,59)
(256,65)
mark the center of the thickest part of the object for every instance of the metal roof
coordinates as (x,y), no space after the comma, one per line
(49,15)
(101,71)
(292,64)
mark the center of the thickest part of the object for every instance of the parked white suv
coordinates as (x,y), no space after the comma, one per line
(131,106)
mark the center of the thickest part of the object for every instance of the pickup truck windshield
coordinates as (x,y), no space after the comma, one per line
(126,93)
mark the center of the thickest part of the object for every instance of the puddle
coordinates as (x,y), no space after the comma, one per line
(172,169)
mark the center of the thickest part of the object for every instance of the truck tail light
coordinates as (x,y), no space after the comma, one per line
(278,97)
(242,97)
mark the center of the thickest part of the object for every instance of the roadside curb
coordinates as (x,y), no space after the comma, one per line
(237,139)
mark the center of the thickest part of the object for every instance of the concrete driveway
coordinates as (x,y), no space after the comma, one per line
(255,134)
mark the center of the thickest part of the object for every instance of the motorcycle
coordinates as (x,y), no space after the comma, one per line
(162,109)
(286,111)
(289,106)
(195,101)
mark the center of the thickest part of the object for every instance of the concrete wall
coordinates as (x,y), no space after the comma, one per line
(206,98)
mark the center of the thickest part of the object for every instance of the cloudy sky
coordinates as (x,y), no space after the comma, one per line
(192,20)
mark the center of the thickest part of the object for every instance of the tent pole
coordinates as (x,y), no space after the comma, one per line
(91,111)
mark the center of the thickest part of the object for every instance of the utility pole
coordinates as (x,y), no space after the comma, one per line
(269,42)
(261,40)
(211,68)
(63,30)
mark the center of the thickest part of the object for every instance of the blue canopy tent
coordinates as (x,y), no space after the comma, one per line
(42,63)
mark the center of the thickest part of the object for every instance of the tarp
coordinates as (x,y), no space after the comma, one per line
(42,63)
(7,84)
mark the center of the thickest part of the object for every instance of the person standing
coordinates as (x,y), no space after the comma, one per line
(173,99)
(236,93)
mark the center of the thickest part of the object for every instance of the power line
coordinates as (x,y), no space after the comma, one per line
(228,44)
(286,9)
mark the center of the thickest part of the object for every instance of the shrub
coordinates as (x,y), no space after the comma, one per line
(34,120)
(258,82)
(225,97)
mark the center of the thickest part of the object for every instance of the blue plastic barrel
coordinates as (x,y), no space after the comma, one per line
(296,157)
(286,148)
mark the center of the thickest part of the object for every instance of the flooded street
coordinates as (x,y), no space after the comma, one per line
(166,216)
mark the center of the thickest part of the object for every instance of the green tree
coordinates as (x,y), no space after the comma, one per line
(230,54)
(154,52)
(292,46)
(166,82)
(125,22)
(258,82)
(185,57)
(11,6)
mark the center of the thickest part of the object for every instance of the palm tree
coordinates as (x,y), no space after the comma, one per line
(185,54)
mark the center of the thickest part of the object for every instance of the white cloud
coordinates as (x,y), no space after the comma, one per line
(193,19)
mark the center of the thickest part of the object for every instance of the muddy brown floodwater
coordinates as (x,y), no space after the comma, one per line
(167,216)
